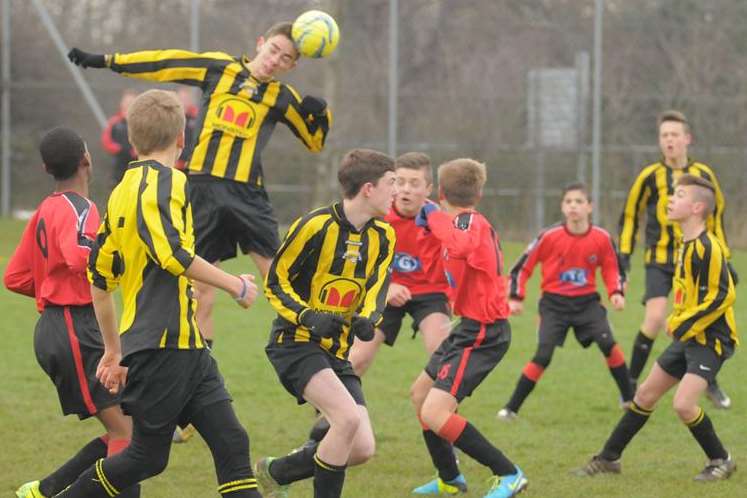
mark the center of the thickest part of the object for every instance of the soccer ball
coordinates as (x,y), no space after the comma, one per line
(315,34)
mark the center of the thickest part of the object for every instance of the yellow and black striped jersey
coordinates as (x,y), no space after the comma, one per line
(325,264)
(237,112)
(143,246)
(704,295)
(650,194)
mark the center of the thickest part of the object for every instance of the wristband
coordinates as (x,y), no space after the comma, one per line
(244,291)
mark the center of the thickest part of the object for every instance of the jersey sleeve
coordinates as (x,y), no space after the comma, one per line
(286,265)
(105,265)
(19,276)
(630,218)
(177,66)
(715,289)
(311,130)
(378,283)
(524,267)
(162,221)
(460,239)
(612,272)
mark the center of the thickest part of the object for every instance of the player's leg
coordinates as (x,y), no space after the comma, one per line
(431,316)
(262,263)
(363,353)
(658,285)
(664,375)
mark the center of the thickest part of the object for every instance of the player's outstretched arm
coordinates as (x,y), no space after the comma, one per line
(86,59)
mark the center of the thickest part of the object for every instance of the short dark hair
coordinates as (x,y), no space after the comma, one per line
(284,28)
(416,161)
(61,151)
(674,116)
(461,181)
(577,186)
(361,166)
(705,193)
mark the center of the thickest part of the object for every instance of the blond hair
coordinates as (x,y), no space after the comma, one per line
(673,116)
(704,191)
(155,119)
(461,181)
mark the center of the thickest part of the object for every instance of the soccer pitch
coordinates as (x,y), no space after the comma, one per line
(565,420)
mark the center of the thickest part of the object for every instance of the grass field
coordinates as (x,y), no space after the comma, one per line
(562,424)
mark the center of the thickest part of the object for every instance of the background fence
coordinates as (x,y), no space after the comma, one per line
(503,81)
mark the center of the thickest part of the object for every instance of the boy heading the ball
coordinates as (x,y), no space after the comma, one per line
(242,101)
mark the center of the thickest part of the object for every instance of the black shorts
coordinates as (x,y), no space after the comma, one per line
(68,347)
(165,387)
(468,355)
(296,363)
(419,307)
(658,281)
(227,213)
(585,314)
(690,357)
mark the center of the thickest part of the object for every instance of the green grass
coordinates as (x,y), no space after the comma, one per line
(562,424)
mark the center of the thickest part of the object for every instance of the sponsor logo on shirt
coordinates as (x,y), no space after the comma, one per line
(574,276)
(406,263)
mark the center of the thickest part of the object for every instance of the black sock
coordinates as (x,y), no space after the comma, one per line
(70,470)
(622,379)
(442,454)
(628,426)
(328,479)
(641,351)
(702,430)
(295,466)
(475,445)
(523,388)
(319,430)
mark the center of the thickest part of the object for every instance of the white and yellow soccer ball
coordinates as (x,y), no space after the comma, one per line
(315,34)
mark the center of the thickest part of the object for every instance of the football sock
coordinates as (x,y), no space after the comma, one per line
(529,377)
(442,455)
(702,430)
(295,466)
(328,479)
(641,351)
(70,470)
(619,372)
(467,438)
(319,430)
(628,426)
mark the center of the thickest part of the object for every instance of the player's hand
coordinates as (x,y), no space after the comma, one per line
(110,373)
(516,306)
(84,59)
(321,323)
(362,328)
(617,301)
(733,272)
(421,219)
(398,295)
(248,293)
(314,106)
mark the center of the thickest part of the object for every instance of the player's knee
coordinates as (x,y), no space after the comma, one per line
(346,423)
(153,464)
(543,356)
(363,451)
(645,397)
(685,409)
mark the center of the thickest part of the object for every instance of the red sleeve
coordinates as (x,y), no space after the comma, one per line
(107,141)
(524,267)
(19,276)
(459,241)
(77,236)
(611,274)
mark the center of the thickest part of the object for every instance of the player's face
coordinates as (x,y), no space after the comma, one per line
(412,191)
(673,140)
(575,206)
(381,195)
(680,204)
(275,56)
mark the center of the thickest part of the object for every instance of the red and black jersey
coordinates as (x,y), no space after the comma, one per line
(50,262)
(474,265)
(569,262)
(418,264)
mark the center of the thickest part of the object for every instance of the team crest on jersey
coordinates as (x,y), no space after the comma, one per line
(406,263)
(340,294)
(234,116)
(592,259)
(353,252)
(574,276)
